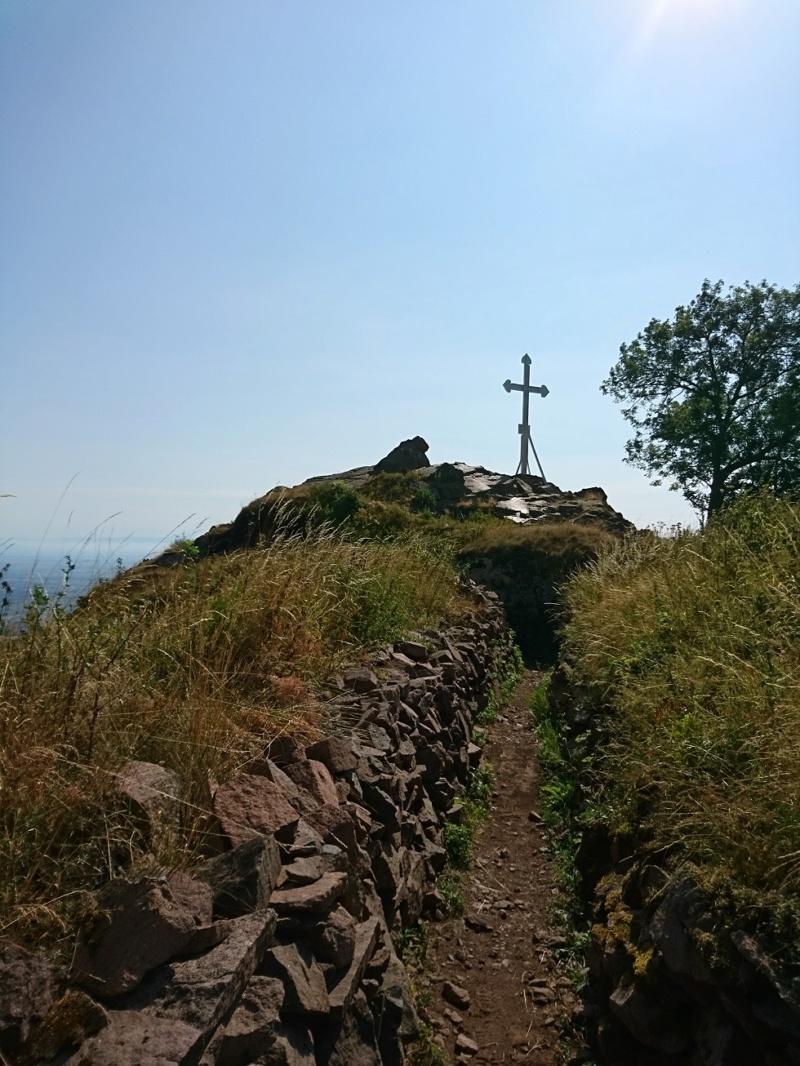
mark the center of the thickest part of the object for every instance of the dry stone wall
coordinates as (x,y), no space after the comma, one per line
(279,949)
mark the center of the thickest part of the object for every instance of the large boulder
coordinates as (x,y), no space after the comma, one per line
(408,455)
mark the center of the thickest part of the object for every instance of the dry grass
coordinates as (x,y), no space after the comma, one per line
(557,541)
(197,667)
(692,644)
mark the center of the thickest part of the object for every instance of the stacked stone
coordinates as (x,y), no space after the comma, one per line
(278,949)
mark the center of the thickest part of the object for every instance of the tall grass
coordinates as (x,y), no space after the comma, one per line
(197,667)
(691,644)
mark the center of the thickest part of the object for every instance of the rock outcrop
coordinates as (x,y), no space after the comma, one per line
(279,949)
(408,455)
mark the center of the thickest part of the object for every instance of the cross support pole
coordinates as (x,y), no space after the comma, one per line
(524,427)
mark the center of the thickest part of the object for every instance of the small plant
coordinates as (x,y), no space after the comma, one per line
(335,502)
(185,546)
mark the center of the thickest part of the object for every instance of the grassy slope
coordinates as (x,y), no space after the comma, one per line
(199,664)
(690,647)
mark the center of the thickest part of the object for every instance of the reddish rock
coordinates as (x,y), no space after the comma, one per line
(455,995)
(366,938)
(250,805)
(69,1022)
(153,791)
(413,649)
(315,778)
(203,991)
(251,1029)
(134,1039)
(335,753)
(360,679)
(294,966)
(284,750)
(335,941)
(28,988)
(242,880)
(335,826)
(317,898)
(193,895)
(140,926)
(465,1045)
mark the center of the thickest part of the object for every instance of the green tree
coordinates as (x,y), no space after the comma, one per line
(714,394)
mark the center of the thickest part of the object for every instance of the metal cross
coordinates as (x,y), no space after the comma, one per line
(524,428)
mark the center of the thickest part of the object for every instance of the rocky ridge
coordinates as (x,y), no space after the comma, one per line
(454,487)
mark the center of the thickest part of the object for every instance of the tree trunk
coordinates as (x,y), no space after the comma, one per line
(715,496)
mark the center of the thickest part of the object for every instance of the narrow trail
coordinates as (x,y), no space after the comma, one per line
(511,991)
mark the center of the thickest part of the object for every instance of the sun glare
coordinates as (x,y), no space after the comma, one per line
(673,13)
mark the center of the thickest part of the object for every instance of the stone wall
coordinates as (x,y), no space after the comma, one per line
(278,949)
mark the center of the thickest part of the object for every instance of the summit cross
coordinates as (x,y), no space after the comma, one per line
(524,427)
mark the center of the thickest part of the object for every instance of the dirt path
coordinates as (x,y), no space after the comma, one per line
(501,953)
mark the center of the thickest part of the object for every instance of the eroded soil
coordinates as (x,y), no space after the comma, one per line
(512,996)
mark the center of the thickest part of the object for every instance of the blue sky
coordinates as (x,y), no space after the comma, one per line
(242,244)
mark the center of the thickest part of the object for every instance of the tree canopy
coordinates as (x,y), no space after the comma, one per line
(714,394)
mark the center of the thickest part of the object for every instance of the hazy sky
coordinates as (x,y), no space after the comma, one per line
(245,243)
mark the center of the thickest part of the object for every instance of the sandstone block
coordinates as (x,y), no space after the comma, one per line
(69,1022)
(456,995)
(193,894)
(335,753)
(201,992)
(334,941)
(366,938)
(250,805)
(360,679)
(315,778)
(658,1027)
(351,1042)
(284,750)
(153,792)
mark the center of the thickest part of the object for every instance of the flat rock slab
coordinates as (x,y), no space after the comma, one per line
(317,898)
(134,1039)
(251,805)
(200,992)
(366,939)
(295,968)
